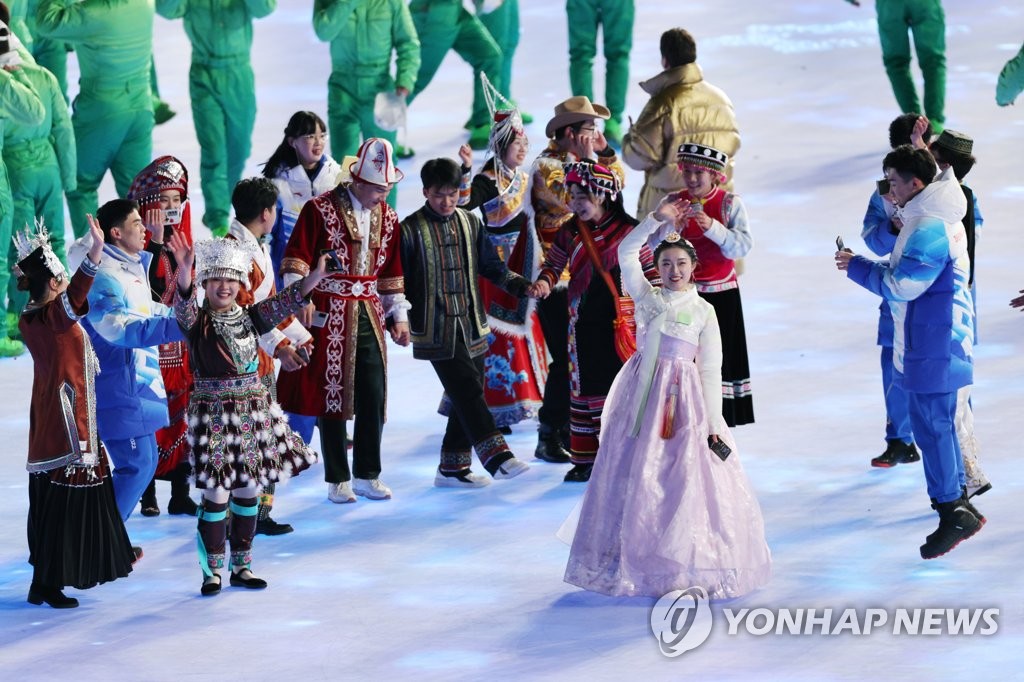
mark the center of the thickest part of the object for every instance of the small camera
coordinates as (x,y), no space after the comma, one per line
(883,187)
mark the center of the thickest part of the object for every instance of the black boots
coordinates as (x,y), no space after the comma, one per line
(180,502)
(549,446)
(956,524)
(54,597)
(149,504)
(580,473)
(897,452)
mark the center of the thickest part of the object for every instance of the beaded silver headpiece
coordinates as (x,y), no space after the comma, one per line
(35,249)
(222,258)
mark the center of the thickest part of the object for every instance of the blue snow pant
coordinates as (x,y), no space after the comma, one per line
(897,415)
(932,416)
(135,462)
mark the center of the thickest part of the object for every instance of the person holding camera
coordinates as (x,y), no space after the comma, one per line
(161,190)
(362,298)
(668,504)
(926,282)
(715,222)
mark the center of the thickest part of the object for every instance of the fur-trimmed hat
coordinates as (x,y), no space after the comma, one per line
(575,110)
(595,178)
(693,154)
(375,163)
(955,141)
(223,258)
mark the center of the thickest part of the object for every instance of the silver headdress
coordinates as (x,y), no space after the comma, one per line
(35,253)
(222,258)
(506,125)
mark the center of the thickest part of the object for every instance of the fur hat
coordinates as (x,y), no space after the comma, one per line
(955,142)
(575,110)
(375,163)
(693,154)
(224,258)
(595,178)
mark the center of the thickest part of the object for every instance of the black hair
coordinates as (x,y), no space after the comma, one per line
(561,132)
(441,173)
(961,163)
(113,214)
(301,123)
(678,48)
(680,244)
(251,197)
(910,162)
(902,126)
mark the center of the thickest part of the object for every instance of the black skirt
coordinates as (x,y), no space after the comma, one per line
(76,536)
(737,400)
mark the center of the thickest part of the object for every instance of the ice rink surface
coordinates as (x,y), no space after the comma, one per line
(467,585)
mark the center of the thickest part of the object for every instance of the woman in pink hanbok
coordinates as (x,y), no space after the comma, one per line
(667,507)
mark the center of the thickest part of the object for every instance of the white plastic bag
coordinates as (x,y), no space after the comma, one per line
(389,111)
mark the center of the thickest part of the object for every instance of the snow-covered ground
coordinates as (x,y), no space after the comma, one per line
(442,584)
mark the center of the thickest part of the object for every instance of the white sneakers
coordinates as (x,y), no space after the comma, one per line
(340,493)
(467,479)
(371,489)
(511,468)
(464,480)
(346,491)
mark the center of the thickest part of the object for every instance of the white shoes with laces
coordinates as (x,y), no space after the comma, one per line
(340,493)
(371,489)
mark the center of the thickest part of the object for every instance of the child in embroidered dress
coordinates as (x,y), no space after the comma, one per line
(240,438)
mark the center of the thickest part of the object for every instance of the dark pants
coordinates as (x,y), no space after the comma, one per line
(470,423)
(369,382)
(554,321)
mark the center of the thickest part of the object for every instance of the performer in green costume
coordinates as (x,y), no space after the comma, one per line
(113,112)
(18,105)
(363,34)
(223,92)
(502,22)
(444,25)
(41,167)
(615,18)
(926,20)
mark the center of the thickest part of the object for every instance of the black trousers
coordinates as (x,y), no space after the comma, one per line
(369,380)
(469,421)
(553,312)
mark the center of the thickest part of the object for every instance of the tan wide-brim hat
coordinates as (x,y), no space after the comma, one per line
(575,110)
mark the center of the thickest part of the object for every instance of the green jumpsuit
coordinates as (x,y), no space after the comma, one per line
(615,18)
(503,25)
(18,105)
(443,25)
(223,92)
(926,20)
(48,53)
(363,34)
(1011,80)
(41,167)
(113,112)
